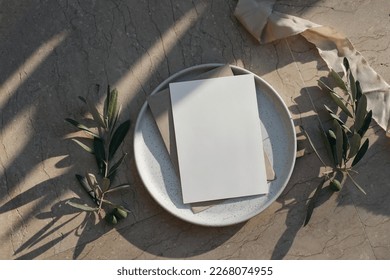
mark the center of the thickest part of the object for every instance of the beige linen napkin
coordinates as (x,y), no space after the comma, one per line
(267,25)
(160,106)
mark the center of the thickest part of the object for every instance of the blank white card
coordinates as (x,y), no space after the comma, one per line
(218,138)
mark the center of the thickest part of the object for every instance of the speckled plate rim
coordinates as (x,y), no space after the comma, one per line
(289,158)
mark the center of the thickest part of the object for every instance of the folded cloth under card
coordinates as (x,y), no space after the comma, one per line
(160,105)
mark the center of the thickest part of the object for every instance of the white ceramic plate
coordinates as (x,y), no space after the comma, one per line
(158,175)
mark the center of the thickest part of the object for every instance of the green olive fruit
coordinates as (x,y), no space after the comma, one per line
(111,219)
(119,213)
(335,185)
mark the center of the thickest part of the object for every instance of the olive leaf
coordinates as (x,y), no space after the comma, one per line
(339,101)
(81,127)
(324,86)
(106,105)
(106,184)
(333,115)
(82,145)
(345,144)
(312,145)
(346,63)
(339,81)
(84,183)
(92,109)
(362,151)
(327,145)
(119,187)
(92,181)
(95,114)
(118,137)
(116,205)
(359,92)
(81,206)
(354,145)
(332,141)
(115,120)
(115,167)
(356,184)
(100,154)
(352,84)
(366,124)
(361,112)
(112,109)
(339,142)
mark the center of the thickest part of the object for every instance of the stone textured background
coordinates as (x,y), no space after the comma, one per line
(53,51)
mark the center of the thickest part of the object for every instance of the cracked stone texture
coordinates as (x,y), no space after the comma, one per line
(54,51)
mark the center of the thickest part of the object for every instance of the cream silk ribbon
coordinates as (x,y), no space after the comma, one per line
(267,25)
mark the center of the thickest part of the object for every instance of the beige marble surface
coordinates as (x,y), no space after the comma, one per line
(53,51)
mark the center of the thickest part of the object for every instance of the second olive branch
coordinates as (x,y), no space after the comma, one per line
(344,140)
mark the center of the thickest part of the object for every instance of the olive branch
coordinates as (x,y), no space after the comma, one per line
(104,144)
(343,143)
